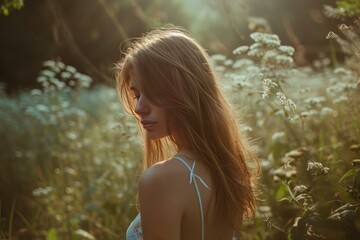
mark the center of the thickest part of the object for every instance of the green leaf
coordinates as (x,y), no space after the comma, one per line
(5,11)
(51,234)
(349,174)
(280,193)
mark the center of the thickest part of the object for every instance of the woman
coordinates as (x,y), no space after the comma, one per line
(202,190)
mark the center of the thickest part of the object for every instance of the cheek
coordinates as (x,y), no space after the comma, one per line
(173,125)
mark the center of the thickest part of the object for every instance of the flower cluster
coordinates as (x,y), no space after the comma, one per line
(285,102)
(300,189)
(57,76)
(241,50)
(265,38)
(317,168)
(268,84)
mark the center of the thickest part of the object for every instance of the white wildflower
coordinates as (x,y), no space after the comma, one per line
(242,63)
(284,60)
(270,56)
(255,46)
(54,81)
(336,88)
(42,191)
(80,113)
(256,36)
(268,84)
(255,53)
(246,128)
(241,81)
(287,49)
(315,101)
(228,62)
(309,113)
(60,65)
(85,80)
(286,103)
(49,63)
(314,166)
(65,75)
(282,98)
(48,73)
(218,58)
(70,69)
(343,27)
(35,92)
(72,135)
(220,69)
(264,209)
(331,35)
(277,135)
(344,74)
(241,50)
(42,108)
(273,42)
(253,70)
(325,111)
(330,11)
(30,110)
(65,104)
(268,39)
(300,188)
(340,99)
(325,170)
(290,104)
(41,79)
(56,69)
(265,164)
(317,168)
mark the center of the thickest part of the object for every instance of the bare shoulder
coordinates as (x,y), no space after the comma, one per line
(161,194)
(165,175)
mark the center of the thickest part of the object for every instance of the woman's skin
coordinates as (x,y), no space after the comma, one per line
(169,204)
(152,118)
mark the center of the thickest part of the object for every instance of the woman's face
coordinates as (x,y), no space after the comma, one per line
(152,118)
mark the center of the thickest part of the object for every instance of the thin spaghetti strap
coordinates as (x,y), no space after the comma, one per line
(193,178)
(192,174)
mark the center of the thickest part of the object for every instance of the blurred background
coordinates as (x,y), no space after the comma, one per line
(90,34)
(70,157)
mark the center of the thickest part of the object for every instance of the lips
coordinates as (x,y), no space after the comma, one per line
(147,124)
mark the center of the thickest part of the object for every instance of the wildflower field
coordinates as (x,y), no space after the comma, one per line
(70,157)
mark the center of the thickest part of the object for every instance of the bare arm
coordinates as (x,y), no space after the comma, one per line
(160,203)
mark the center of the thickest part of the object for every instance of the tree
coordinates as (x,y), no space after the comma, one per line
(9,5)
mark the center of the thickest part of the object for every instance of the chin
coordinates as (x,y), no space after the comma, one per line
(156,136)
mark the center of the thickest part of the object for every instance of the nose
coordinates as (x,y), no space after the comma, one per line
(142,106)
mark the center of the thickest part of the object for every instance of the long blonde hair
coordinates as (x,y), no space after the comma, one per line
(174,72)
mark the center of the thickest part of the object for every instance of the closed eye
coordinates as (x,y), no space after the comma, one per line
(135,92)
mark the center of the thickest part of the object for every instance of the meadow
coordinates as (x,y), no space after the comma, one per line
(70,157)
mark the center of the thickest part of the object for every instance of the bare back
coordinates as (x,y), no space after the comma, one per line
(215,229)
(187,201)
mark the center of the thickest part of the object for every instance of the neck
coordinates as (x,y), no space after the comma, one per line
(186,151)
